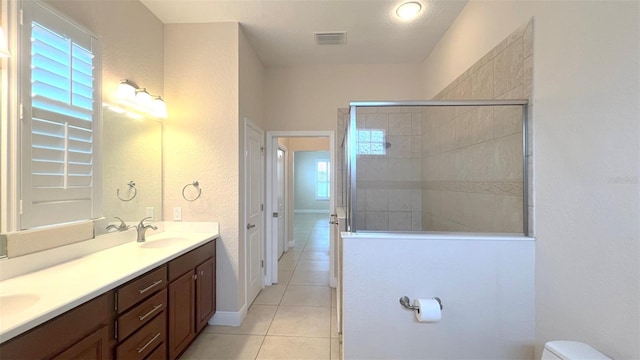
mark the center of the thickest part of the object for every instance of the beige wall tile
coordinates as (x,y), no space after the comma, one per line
(482,82)
(400,220)
(508,69)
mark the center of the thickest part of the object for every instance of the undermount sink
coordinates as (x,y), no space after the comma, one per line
(161,243)
(16,302)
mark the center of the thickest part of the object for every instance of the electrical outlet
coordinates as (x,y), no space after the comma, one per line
(150,212)
(177,213)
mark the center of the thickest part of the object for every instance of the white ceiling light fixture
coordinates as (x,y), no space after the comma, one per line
(408,10)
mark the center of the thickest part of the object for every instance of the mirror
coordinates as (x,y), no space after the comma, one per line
(132,168)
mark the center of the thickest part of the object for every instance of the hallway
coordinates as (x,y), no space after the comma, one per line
(295,319)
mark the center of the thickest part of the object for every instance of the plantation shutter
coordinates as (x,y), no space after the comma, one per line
(60,117)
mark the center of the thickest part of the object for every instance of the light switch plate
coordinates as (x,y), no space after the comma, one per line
(177,213)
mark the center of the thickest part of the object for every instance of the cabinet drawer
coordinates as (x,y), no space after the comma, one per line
(193,258)
(144,341)
(160,353)
(133,319)
(140,288)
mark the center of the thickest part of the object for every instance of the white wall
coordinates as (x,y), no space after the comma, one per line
(304,179)
(586,103)
(201,140)
(120,25)
(486,287)
(294,144)
(305,98)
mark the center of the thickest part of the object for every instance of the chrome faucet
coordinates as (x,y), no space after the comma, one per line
(142,228)
(122,227)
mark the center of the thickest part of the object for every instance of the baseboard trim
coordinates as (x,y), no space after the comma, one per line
(229,318)
(310,211)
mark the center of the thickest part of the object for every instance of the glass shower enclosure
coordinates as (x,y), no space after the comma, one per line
(435,166)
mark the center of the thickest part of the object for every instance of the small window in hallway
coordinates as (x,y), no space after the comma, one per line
(322,179)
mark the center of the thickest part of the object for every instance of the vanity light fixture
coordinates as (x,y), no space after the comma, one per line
(159,107)
(408,10)
(143,98)
(129,96)
(4,50)
(126,91)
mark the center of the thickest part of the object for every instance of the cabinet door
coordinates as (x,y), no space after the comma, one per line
(181,313)
(93,346)
(205,293)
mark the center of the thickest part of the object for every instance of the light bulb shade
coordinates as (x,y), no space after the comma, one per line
(409,10)
(144,99)
(159,108)
(126,91)
(4,49)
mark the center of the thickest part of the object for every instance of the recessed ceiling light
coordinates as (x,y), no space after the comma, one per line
(408,10)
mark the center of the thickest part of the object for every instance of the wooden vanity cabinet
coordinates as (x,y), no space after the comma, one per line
(154,316)
(141,326)
(191,296)
(80,333)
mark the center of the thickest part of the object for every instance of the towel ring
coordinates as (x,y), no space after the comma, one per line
(132,185)
(196,185)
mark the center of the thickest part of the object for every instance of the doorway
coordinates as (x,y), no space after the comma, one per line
(274,143)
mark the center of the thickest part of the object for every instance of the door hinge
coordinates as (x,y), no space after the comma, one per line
(20,205)
(21,112)
(275,214)
(262,264)
(262,149)
(21,17)
(261,207)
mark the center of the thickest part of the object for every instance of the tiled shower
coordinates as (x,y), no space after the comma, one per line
(460,167)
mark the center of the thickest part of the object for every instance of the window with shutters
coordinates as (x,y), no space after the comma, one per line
(60,120)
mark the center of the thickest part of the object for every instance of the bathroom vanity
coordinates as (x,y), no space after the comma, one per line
(93,308)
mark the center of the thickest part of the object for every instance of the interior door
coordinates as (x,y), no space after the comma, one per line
(254,183)
(280,200)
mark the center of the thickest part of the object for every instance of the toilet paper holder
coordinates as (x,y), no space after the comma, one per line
(406,303)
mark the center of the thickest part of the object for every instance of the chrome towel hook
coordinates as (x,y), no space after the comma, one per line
(196,185)
(132,185)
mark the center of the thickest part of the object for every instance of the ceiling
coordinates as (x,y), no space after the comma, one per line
(281,31)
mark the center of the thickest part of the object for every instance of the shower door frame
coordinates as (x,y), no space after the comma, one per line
(352,154)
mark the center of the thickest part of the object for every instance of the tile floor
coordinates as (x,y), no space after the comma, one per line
(295,319)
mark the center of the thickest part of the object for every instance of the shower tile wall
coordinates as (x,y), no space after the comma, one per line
(389,191)
(472,156)
(343,119)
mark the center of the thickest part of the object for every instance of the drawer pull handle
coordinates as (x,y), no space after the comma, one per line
(141,349)
(150,287)
(142,317)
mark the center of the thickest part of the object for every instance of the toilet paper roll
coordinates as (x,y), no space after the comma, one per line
(428,310)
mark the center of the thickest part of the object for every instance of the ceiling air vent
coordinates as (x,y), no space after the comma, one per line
(330,37)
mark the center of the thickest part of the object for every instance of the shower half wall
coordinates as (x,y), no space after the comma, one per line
(436,166)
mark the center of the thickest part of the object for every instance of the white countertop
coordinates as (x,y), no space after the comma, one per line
(31,299)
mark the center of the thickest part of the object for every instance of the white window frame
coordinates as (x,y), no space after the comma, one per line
(327,181)
(56,205)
